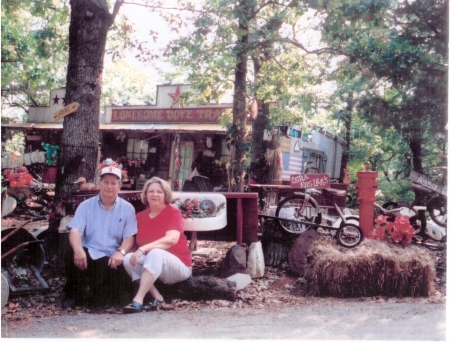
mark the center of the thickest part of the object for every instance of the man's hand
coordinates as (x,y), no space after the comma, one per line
(115,260)
(80,259)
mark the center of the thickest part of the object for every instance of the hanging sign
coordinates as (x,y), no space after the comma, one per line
(168,115)
(428,183)
(73,107)
(317,180)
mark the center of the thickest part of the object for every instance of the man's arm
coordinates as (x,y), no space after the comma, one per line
(79,259)
(117,258)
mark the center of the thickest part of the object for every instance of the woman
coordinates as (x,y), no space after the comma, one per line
(162,246)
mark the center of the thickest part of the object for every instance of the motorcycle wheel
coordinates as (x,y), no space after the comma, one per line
(437,207)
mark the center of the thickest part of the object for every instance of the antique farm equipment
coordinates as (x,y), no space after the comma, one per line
(22,260)
(436,197)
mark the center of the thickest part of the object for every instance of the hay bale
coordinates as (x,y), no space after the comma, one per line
(375,268)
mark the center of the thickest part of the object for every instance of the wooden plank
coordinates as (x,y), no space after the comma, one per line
(318,180)
(269,186)
(239,220)
(239,194)
(73,107)
(428,183)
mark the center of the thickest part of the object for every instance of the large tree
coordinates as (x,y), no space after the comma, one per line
(249,46)
(401,51)
(90,21)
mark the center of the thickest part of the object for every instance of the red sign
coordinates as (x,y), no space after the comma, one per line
(318,180)
(168,115)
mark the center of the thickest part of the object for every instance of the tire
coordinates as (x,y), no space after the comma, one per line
(349,235)
(290,208)
(350,219)
(417,224)
(437,207)
(405,209)
(390,205)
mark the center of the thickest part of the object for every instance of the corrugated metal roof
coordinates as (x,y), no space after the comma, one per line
(30,125)
(178,128)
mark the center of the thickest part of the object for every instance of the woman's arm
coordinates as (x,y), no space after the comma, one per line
(170,239)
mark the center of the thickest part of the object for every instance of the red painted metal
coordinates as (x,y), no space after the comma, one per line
(366,186)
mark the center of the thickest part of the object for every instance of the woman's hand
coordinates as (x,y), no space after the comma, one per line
(136,255)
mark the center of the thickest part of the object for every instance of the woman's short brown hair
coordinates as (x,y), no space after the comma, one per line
(165,188)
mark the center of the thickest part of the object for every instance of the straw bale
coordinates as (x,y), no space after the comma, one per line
(374,268)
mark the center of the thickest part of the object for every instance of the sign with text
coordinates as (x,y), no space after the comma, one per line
(69,109)
(428,183)
(168,115)
(310,180)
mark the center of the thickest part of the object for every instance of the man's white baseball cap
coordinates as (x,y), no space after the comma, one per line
(111,170)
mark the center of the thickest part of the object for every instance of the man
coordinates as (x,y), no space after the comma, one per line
(101,233)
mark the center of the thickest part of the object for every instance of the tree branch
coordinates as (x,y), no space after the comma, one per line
(116,9)
(170,8)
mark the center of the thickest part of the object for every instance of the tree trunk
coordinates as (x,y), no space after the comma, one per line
(200,288)
(89,24)
(347,119)
(276,243)
(236,171)
(258,166)
(415,144)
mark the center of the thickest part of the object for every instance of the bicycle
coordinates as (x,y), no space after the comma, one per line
(300,212)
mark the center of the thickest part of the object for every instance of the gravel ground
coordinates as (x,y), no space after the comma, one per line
(274,293)
(312,320)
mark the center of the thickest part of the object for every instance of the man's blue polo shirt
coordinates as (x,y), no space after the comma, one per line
(104,230)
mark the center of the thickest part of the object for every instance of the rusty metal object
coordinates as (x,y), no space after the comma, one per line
(22,260)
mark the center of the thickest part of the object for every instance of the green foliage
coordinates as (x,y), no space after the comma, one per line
(35,56)
(124,84)
(208,53)
(34,50)
(391,77)
(13,141)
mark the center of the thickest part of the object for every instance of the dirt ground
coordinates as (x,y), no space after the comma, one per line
(276,291)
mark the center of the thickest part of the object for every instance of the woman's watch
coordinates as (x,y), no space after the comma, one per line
(122,251)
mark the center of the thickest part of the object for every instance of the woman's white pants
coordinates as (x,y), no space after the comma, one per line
(161,264)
